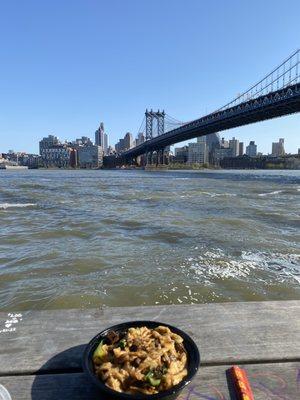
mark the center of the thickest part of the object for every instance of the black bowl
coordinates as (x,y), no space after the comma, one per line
(189,344)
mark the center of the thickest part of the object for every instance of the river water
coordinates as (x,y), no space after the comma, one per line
(78,239)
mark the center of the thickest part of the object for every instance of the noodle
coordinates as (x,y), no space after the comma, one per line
(141,360)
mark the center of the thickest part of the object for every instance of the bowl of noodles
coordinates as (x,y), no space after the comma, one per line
(141,360)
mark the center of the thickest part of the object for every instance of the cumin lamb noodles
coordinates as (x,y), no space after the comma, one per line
(141,360)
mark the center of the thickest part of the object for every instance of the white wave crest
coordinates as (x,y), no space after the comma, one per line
(219,194)
(4,206)
(270,193)
(213,264)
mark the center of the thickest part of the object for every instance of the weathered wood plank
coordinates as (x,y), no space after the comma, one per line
(268,381)
(225,333)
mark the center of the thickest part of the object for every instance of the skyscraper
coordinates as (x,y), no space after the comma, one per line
(99,136)
(105,144)
(128,141)
(234,146)
(278,148)
(212,143)
(197,152)
(241,148)
(251,149)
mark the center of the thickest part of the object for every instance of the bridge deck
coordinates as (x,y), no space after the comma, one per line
(40,351)
(275,104)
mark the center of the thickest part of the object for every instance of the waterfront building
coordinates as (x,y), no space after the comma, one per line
(197,152)
(33,161)
(251,149)
(59,156)
(181,154)
(241,148)
(221,153)
(212,143)
(90,156)
(261,162)
(234,146)
(28,160)
(278,148)
(48,143)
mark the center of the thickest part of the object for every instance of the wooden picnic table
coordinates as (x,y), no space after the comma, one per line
(41,351)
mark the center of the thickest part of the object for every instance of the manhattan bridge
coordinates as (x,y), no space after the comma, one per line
(276,95)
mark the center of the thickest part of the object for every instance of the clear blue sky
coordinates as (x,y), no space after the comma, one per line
(67,65)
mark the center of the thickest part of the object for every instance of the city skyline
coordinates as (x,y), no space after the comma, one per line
(110,145)
(128,142)
(246,134)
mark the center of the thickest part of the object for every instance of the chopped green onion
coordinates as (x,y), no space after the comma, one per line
(151,379)
(99,352)
(122,344)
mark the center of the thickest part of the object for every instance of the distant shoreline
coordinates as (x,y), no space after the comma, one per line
(165,168)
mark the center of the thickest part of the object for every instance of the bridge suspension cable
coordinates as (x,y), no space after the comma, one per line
(142,126)
(172,123)
(286,74)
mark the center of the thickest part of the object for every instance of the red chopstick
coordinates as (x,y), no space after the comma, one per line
(241,383)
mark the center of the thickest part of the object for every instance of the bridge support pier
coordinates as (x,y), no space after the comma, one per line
(149,158)
(161,156)
(165,157)
(157,158)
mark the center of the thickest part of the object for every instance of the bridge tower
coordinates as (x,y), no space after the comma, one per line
(159,118)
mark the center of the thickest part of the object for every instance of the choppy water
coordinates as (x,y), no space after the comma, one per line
(86,238)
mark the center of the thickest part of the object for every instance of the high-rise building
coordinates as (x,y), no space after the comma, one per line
(212,143)
(197,152)
(234,146)
(101,138)
(128,141)
(105,144)
(140,139)
(278,148)
(99,135)
(241,148)
(212,140)
(251,149)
